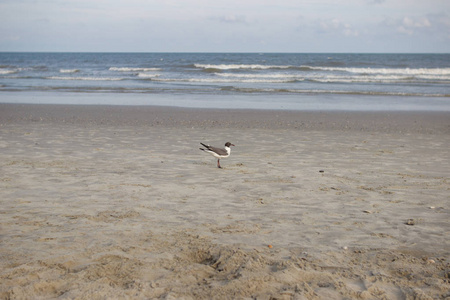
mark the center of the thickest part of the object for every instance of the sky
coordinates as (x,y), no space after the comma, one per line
(327,26)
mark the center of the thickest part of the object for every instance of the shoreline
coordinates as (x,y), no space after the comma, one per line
(118,202)
(378,121)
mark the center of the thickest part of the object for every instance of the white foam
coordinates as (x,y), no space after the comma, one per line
(320,77)
(399,71)
(69,71)
(7,71)
(129,69)
(211,80)
(84,78)
(147,75)
(241,66)
(274,75)
(362,78)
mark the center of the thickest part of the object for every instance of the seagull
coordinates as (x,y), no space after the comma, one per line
(218,152)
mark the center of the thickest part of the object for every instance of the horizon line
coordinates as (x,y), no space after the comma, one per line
(218,52)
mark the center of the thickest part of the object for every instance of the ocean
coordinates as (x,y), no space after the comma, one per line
(230,80)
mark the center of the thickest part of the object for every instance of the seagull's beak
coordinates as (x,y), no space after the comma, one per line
(232,144)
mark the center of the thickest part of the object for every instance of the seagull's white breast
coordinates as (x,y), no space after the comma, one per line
(220,156)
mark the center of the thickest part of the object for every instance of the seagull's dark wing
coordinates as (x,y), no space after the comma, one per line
(219,151)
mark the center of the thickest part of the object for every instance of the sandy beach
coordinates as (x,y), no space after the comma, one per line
(118,202)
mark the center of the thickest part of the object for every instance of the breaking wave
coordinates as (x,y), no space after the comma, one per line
(386,71)
(400,71)
(239,66)
(8,71)
(148,75)
(69,71)
(130,69)
(213,80)
(84,78)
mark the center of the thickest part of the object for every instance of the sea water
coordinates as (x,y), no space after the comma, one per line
(303,81)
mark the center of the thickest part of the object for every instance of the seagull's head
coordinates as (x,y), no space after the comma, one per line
(228,144)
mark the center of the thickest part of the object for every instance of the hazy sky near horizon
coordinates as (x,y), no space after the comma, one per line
(225,26)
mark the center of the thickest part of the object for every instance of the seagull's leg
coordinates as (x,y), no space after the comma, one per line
(218,164)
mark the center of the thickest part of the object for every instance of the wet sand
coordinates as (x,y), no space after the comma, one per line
(101,202)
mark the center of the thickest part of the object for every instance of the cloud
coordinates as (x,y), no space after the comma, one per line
(232,19)
(409,25)
(233,25)
(336,26)
(416,23)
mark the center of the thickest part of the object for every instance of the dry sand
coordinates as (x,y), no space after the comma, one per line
(101,202)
